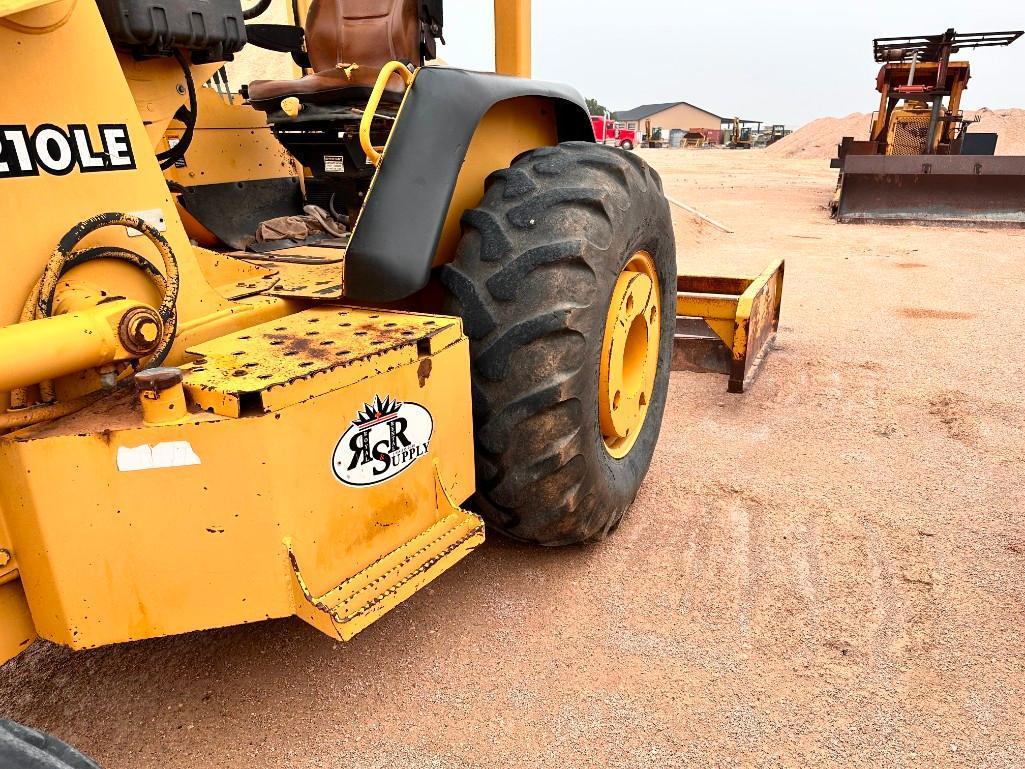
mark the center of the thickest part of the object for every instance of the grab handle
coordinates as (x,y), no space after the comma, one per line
(374,153)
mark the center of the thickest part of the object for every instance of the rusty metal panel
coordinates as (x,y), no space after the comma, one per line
(727,325)
(697,348)
(194,536)
(966,189)
(758,314)
(711,284)
(283,362)
(304,272)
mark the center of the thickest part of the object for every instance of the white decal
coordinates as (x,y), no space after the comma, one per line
(159,457)
(172,142)
(118,146)
(53,150)
(154,217)
(334,164)
(385,439)
(59,150)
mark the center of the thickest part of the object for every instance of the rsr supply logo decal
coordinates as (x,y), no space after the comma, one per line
(385,439)
(58,151)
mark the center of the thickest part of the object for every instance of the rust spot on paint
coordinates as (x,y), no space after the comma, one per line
(309,347)
(424,372)
(910,265)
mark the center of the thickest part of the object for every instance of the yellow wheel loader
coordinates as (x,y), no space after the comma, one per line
(921,163)
(263,350)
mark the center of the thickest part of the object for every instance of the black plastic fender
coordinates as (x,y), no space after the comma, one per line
(394,242)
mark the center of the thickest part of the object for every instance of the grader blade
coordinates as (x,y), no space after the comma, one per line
(933,189)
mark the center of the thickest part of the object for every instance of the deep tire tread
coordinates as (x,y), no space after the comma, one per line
(531,279)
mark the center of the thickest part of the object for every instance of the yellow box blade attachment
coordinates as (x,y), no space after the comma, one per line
(727,324)
(365,597)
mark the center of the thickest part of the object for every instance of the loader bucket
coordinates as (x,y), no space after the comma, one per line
(933,189)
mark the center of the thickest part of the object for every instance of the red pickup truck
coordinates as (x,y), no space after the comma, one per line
(610,132)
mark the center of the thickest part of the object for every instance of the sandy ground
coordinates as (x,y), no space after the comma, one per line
(826,571)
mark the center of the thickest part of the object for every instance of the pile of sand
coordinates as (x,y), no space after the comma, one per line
(818,139)
(1009,124)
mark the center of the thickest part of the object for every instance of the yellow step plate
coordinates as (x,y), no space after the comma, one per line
(365,597)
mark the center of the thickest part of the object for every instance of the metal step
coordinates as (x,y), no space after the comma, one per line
(365,597)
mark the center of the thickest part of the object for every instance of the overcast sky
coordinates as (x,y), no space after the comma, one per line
(788,61)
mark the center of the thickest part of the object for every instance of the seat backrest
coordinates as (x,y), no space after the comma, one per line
(366,32)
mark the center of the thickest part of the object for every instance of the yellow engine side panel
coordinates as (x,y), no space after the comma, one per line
(232,143)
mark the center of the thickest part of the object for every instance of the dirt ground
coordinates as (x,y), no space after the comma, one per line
(826,571)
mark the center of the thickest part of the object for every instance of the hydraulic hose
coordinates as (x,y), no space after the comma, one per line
(19,397)
(15,420)
(189,117)
(57,266)
(40,300)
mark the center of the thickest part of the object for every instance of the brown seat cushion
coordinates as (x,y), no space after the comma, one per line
(323,87)
(339,33)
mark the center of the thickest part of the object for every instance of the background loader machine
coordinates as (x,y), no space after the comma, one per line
(241,333)
(921,164)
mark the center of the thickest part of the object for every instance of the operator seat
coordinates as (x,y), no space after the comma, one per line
(349,42)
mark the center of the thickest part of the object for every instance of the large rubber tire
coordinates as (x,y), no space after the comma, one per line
(533,280)
(24,748)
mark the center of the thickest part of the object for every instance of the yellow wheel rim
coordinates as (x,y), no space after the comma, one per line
(629,360)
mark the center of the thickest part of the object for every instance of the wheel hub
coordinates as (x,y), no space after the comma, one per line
(630,350)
